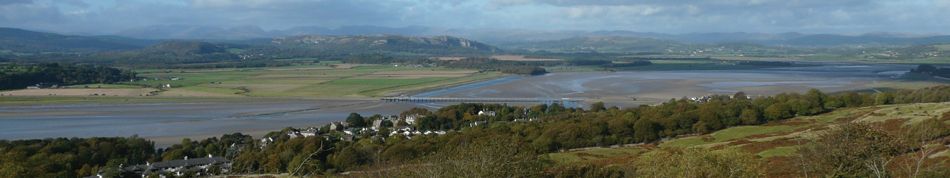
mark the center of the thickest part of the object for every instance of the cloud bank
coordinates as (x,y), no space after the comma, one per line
(670,16)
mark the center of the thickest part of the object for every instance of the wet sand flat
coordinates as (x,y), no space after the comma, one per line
(167,123)
(179,119)
(658,85)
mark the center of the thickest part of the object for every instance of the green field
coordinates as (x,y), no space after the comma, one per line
(319,80)
(943,47)
(324,79)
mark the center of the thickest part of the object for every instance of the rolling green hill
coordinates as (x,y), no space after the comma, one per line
(24,41)
(184,47)
(439,45)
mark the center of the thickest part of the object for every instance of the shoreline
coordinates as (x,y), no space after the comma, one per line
(447,86)
(266,113)
(22,100)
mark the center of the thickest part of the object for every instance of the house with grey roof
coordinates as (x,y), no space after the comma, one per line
(178,167)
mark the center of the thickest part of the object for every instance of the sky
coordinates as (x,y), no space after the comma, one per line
(662,16)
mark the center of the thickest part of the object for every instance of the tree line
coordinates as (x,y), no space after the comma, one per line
(80,157)
(21,76)
(931,70)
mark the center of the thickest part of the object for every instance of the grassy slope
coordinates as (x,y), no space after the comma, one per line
(773,139)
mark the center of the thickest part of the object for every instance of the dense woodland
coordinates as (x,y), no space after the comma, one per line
(482,63)
(78,157)
(931,70)
(517,146)
(13,76)
(766,63)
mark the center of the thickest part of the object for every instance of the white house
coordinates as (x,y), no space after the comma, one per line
(411,119)
(476,123)
(486,113)
(310,132)
(178,166)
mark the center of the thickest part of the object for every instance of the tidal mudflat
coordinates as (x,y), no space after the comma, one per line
(655,86)
(170,121)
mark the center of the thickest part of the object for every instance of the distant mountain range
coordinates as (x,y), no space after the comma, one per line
(23,41)
(414,38)
(499,36)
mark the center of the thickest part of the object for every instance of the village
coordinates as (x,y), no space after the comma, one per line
(380,128)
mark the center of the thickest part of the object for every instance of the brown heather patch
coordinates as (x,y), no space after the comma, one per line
(945,117)
(684,136)
(782,167)
(623,160)
(767,135)
(582,155)
(708,138)
(617,160)
(758,147)
(820,129)
(937,163)
(739,142)
(789,122)
(893,124)
(649,147)
(730,144)
(844,119)
(620,160)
